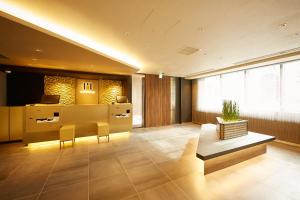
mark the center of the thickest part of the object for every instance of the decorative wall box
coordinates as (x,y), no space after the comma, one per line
(227,130)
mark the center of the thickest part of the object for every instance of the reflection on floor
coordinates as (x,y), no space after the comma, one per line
(153,163)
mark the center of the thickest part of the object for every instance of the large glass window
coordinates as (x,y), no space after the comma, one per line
(233,87)
(263,89)
(291,87)
(209,90)
(270,92)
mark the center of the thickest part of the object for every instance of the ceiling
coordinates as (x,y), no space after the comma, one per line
(24,46)
(148,35)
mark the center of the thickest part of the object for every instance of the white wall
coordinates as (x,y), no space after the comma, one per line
(3,96)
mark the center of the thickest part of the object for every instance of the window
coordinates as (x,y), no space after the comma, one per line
(233,87)
(263,89)
(270,92)
(209,88)
(291,87)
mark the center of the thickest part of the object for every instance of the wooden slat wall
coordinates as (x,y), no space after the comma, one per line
(157,101)
(286,131)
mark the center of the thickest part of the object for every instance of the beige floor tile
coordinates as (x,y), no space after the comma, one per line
(163,192)
(260,191)
(182,167)
(124,150)
(111,188)
(24,170)
(105,168)
(198,187)
(22,186)
(76,191)
(70,163)
(102,154)
(8,166)
(32,167)
(134,197)
(146,176)
(67,177)
(134,160)
(159,157)
(30,197)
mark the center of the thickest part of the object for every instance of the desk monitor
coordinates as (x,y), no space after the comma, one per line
(122,99)
(50,99)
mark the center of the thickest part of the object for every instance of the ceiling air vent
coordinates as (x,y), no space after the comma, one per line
(3,57)
(188,50)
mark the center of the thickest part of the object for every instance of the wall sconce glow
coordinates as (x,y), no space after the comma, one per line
(22,13)
(161,75)
(87,88)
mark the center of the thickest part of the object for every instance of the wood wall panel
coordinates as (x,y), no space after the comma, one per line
(286,131)
(157,101)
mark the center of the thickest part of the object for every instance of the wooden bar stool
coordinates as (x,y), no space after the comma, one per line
(102,130)
(66,133)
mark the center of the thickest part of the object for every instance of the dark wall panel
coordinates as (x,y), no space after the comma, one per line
(24,88)
(186,100)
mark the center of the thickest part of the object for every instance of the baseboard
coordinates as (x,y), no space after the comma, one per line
(11,141)
(288,143)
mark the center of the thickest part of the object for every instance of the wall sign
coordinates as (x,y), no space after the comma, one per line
(87,88)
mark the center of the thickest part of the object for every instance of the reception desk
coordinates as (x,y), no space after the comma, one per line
(42,122)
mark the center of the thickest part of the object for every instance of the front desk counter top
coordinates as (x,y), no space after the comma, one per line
(42,122)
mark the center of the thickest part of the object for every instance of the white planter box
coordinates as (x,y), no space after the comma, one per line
(227,130)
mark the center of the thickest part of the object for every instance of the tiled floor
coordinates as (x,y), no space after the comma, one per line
(153,163)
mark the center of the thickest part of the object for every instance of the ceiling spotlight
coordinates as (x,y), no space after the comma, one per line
(34,59)
(283,25)
(38,50)
(8,71)
(161,75)
(126,33)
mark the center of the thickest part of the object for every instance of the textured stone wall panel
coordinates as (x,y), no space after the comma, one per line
(63,86)
(109,90)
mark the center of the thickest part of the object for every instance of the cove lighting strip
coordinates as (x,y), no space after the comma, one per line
(18,12)
(87,92)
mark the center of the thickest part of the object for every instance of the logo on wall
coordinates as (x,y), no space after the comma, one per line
(87,88)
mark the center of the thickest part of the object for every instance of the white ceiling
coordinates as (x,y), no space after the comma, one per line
(148,34)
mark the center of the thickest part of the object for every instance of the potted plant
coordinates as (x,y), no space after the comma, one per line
(230,125)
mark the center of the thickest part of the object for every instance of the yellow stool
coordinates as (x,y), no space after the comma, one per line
(66,133)
(102,130)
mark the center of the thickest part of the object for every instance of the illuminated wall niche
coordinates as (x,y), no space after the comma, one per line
(63,86)
(86,91)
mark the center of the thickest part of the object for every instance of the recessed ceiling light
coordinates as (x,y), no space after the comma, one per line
(34,59)
(38,50)
(283,25)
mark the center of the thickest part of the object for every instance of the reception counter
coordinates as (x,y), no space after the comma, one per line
(42,122)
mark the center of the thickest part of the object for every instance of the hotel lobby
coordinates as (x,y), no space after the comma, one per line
(146,100)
